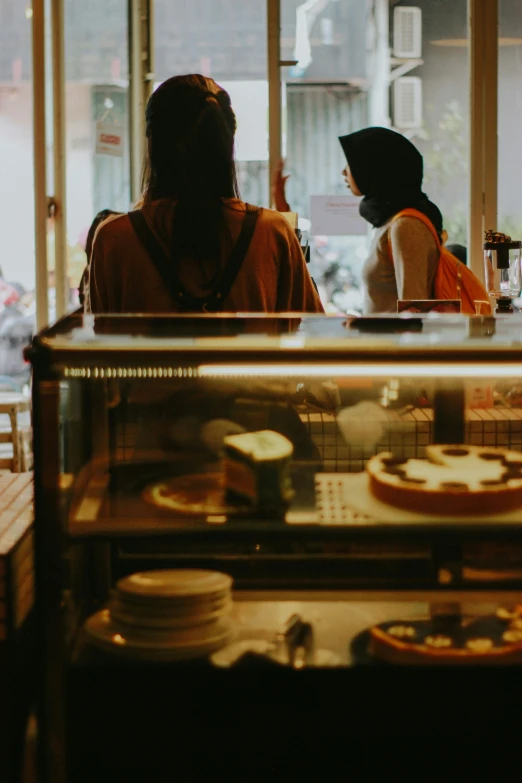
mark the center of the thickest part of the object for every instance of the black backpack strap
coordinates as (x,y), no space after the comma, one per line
(230,272)
(163,264)
(156,253)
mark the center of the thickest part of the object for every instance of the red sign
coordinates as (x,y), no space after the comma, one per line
(109,140)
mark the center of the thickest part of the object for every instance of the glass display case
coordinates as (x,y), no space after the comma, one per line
(360,481)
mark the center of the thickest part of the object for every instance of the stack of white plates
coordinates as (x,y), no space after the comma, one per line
(165,615)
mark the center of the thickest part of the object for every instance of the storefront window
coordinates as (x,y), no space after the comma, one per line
(17,248)
(401,65)
(444,136)
(510,119)
(97,118)
(226,41)
(16,145)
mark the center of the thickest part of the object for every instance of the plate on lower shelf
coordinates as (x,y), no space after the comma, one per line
(146,645)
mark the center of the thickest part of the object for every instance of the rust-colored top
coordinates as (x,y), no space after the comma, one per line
(273,276)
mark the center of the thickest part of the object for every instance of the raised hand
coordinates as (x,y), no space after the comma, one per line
(278,188)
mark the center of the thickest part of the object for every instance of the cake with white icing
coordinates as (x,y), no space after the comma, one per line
(453,479)
(257,468)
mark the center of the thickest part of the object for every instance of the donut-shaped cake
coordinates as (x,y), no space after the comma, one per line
(453,479)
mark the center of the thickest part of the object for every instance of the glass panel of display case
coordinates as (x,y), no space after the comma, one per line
(176,423)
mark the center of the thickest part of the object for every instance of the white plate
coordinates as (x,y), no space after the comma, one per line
(175,584)
(113,637)
(146,607)
(149,617)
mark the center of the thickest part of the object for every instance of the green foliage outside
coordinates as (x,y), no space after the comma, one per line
(448,161)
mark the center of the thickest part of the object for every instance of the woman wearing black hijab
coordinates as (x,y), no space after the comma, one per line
(387,170)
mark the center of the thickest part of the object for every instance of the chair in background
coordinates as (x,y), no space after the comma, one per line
(15,431)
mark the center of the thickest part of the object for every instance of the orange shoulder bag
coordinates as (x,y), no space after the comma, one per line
(453,279)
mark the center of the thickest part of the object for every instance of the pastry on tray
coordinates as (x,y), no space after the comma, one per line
(453,479)
(254,476)
(438,641)
(257,468)
(195,494)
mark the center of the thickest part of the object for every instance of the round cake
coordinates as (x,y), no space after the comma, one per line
(466,640)
(453,479)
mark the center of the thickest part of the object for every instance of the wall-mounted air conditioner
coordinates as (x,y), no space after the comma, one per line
(407,103)
(407,32)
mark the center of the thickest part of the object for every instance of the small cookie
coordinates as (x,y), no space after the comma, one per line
(512,637)
(402,631)
(508,614)
(479,645)
(438,641)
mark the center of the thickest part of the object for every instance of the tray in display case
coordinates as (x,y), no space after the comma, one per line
(155,495)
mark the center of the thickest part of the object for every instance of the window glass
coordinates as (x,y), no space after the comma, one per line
(97,118)
(17,248)
(16,144)
(225,40)
(510,119)
(401,65)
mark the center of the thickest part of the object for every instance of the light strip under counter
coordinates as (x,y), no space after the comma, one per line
(479,370)
(363,370)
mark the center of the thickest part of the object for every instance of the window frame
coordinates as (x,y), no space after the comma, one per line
(483,19)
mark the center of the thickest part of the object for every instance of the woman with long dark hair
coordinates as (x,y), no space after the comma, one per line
(194,246)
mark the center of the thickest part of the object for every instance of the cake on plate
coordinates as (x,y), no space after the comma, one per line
(453,479)
(257,469)
(492,639)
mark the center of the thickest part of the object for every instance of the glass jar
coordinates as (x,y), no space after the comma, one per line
(502,268)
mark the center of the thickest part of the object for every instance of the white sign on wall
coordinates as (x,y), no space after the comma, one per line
(109,140)
(336,216)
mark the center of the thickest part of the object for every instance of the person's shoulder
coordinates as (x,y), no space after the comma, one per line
(269,220)
(276,223)
(112,225)
(406,221)
(412,228)
(111,231)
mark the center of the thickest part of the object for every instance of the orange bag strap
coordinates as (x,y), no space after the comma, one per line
(414,213)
